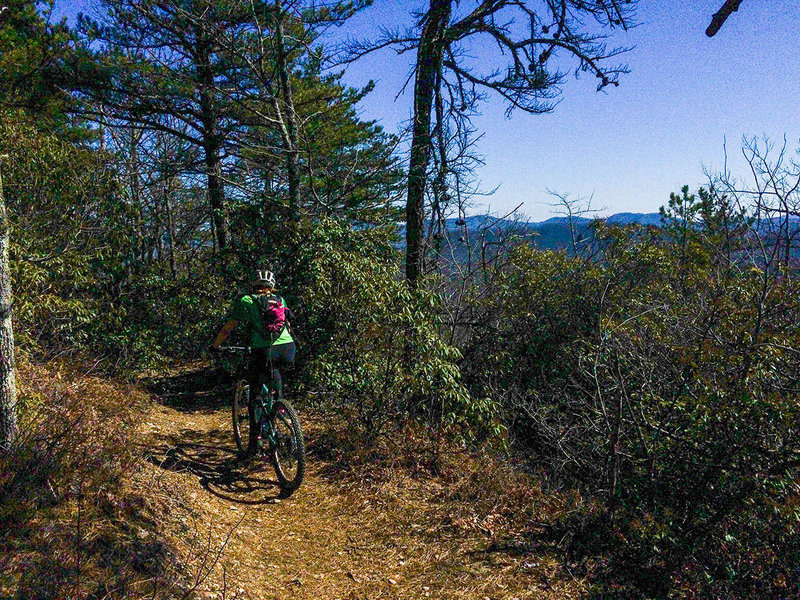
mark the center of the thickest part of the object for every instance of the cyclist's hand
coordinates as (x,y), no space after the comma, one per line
(214,349)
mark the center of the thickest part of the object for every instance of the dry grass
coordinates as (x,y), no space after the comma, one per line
(367,523)
(112,496)
(471,524)
(70,527)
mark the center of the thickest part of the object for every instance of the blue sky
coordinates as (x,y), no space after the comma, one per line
(630,147)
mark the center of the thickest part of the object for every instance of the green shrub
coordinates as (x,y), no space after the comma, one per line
(375,344)
(663,379)
(68,238)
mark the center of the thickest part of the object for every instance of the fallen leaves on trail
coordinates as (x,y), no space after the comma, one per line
(394,536)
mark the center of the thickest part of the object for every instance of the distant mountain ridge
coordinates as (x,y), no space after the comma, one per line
(551,233)
(554,233)
(625,218)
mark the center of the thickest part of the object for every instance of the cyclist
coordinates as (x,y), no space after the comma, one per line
(268,340)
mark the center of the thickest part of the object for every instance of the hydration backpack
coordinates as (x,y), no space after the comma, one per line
(273,314)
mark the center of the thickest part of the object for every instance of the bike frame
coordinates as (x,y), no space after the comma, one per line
(263,401)
(268,414)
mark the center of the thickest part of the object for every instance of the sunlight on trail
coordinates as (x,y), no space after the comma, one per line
(276,547)
(325,541)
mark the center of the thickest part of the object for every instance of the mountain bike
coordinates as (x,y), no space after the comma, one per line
(268,427)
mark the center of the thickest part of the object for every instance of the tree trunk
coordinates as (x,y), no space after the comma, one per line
(429,65)
(168,189)
(8,384)
(136,200)
(287,116)
(216,195)
(212,144)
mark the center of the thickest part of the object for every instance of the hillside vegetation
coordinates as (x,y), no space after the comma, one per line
(615,418)
(78,516)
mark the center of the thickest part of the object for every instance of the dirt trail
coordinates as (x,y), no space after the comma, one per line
(327,540)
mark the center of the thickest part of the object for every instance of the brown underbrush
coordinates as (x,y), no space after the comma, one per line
(408,515)
(483,520)
(71,526)
(108,494)
(521,538)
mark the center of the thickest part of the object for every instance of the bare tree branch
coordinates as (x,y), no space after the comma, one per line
(719,17)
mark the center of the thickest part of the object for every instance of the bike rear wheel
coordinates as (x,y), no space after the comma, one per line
(241,416)
(289,453)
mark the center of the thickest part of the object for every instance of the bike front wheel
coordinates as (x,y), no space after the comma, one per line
(241,416)
(289,452)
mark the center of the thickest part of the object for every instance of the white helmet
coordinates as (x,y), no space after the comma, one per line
(264,278)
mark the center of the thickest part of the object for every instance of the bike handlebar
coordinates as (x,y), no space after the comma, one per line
(234,349)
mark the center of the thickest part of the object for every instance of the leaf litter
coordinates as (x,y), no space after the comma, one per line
(342,536)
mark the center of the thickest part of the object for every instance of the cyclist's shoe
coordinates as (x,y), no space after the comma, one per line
(253,450)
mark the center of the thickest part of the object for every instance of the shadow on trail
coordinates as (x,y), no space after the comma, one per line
(210,456)
(588,546)
(200,387)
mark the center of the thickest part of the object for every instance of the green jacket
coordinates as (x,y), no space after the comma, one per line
(246,310)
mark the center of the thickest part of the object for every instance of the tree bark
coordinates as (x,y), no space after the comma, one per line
(216,194)
(136,200)
(8,384)
(212,142)
(719,17)
(168,189)
(287,116)
(429,65)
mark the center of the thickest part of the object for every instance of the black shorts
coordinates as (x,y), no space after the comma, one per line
(282,356)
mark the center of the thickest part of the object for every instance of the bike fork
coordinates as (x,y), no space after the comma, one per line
(262,413)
